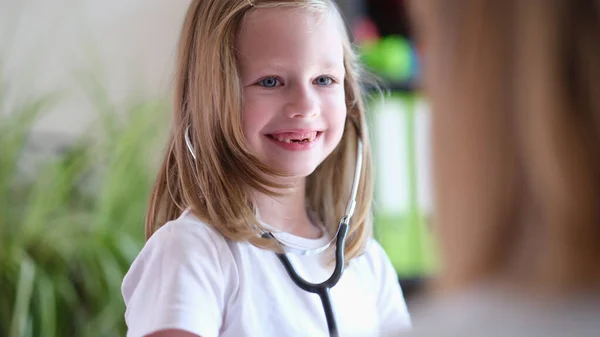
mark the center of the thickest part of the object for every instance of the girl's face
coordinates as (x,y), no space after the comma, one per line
(292,70)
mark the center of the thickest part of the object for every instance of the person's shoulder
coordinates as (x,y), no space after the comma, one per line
(373,261)
(186,241)
(181,278)
(187,229)
(374,249)
(374,256)
(189,224)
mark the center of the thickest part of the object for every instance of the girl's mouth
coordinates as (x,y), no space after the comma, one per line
(295,141)
(295,137)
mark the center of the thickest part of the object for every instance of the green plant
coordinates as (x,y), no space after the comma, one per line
(69,231)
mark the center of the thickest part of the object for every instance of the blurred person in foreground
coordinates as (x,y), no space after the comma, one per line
(515,94)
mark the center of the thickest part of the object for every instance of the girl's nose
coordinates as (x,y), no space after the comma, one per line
(303,102)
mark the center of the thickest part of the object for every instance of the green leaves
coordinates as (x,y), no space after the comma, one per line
(71,225)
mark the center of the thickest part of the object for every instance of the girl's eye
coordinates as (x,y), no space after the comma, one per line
(269,82)
(324,81)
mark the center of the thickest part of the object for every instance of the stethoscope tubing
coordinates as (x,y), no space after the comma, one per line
(323,289)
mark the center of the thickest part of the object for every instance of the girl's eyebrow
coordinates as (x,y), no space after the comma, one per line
(333,65)
(262,66)
(277,65)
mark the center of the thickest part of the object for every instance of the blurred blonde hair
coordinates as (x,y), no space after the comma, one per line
(207,98)
(515,91)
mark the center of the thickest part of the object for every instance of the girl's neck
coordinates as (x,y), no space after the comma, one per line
(288,212)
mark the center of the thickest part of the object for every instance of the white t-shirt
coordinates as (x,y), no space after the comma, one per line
(189,277)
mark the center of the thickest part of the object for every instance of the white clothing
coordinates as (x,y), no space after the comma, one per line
(189,277)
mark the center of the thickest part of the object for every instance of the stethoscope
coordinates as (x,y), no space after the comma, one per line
(322,289)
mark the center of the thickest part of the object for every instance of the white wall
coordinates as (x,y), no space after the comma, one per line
(49,45)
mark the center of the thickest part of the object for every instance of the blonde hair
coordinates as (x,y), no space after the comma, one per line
(207,98)
(515,93)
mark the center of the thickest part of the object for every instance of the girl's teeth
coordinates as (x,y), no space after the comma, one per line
(288,138)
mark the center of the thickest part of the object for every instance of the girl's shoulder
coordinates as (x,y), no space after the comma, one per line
(186,243)
(374,257)
(181,279)
(187,230)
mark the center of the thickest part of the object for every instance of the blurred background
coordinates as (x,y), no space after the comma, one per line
(84,100)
